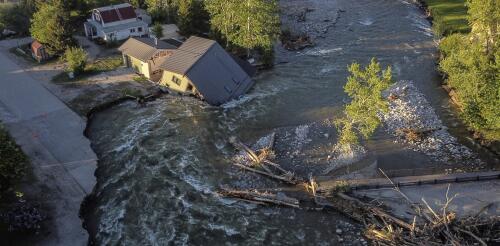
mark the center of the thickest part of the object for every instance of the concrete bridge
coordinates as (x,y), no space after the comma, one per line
(328,185)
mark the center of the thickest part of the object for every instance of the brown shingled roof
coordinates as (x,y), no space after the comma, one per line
(187,55)
(143,48)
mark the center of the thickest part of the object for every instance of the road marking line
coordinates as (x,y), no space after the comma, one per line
(66,163)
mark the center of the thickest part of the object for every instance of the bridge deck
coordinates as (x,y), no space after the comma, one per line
(327,184)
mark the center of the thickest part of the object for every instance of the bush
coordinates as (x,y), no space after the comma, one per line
(13,162)
(76,58)
(23,217)
(158,30)
(266,56)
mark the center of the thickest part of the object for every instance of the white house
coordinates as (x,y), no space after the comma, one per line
(115,22)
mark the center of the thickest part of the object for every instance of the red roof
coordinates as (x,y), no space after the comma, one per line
(118,14)
(36,45)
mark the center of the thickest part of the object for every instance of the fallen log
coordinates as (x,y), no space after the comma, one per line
(290,179)
(239,145)
(261,197)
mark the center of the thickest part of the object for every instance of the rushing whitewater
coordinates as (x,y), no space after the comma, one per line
(161,163)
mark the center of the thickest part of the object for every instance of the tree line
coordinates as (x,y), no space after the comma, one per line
(470,64)
(240,25)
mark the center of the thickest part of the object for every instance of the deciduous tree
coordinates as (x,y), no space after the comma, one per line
(49,26)
(365,87)
(484,18)
(249,24)
(76,59)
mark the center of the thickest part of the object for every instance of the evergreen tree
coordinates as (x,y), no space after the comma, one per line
(365,87)
(49,26)
(185,17)
(158,30)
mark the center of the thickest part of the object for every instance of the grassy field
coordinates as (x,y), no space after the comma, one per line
(449,16)
(98,66)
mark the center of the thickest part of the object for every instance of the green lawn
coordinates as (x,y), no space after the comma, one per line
(98,66)
(449,16)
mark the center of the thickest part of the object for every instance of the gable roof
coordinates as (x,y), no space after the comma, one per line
(187,55)
(214,73)
(143,48)
(118,12)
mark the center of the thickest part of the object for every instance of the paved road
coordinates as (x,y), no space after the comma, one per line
(51,134)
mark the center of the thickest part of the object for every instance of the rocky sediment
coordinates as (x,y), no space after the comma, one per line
(414,123)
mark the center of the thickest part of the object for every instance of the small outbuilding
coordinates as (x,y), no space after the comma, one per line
(145,55)
(202,67)
(38,51)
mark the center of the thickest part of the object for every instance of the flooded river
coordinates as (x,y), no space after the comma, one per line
(160,164)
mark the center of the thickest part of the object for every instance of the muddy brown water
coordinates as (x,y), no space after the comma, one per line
(160,164)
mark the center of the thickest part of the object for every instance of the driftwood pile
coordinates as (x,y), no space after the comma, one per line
(296,42)
(431,227)
(259,163)
(415,135)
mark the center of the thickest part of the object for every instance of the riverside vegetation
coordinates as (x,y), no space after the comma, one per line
(469,61)
(16,213)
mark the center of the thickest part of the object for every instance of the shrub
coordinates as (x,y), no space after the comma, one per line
(158,30)
(23,217)
(13,162)
(76,58)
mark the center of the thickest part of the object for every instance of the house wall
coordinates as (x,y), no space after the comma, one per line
(166,80)
(124,34)
(139,66)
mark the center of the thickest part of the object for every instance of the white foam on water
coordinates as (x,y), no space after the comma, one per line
(111,227)
(134,130)
(198,185)
(227,230)
(326,70)
(322,52)
(422,25)
(367,21)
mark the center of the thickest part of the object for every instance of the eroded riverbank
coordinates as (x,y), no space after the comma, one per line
(160,164)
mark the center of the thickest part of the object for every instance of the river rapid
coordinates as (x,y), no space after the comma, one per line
(161,163)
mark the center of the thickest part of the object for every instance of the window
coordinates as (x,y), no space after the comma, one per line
(139,29)
(132,30)
(176,80)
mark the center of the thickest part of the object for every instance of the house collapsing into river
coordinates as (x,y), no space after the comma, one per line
(199,66)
